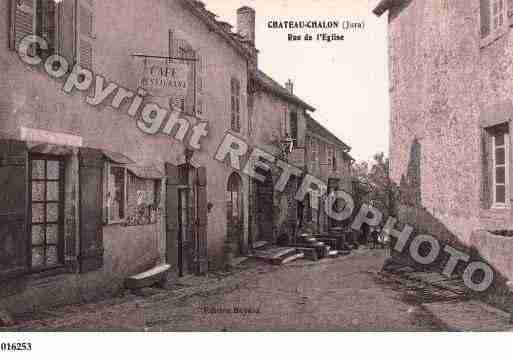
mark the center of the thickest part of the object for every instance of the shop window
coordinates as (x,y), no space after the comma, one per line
(116,193)
(143,200)
(131,198)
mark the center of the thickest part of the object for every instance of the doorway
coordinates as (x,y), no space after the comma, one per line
(265,209)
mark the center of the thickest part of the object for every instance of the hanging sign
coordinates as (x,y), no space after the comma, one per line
(164,77)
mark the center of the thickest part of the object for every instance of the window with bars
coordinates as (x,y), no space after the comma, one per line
(47,212)
(235,102)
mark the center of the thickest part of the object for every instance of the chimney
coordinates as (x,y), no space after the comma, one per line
(246,23)
(290,86)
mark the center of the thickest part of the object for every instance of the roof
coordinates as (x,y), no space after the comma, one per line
(267,83)
(385,5)
(315,127)
(238,42)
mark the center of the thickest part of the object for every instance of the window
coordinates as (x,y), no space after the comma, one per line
(500,168)
(294,127)
(46,23)
(494,20)
(313,149)
(199,106)
(235,96)
(334,160)
(330,156)
(200,85)
(116,193)
(132,193)
(47,212)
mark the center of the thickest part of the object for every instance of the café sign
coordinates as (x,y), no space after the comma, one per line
(164,77)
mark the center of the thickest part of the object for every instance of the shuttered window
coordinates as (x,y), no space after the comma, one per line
(55,22)
(35,17)
(235,105)
(494,19)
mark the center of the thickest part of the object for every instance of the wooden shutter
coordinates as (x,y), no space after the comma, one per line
(22,20)
(485,18)
(486,167)
(67,38)
(91,202)
(172,183)
(201,221)
(190,99)
(14,240)
(85,19)
(200,85)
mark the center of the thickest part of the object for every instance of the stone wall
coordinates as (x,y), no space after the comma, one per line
(496,250)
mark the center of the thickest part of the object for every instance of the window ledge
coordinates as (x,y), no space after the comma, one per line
(116,223)
(501,213)
(54,272)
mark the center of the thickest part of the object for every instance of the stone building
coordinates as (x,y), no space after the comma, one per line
(281,124)
(101,177)
(87,198)
(451,64)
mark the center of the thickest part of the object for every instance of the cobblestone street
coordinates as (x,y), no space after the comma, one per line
(335,294)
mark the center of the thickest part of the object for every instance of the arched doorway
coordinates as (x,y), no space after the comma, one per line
(235,217)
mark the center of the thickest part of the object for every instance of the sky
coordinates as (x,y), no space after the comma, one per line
(346,81)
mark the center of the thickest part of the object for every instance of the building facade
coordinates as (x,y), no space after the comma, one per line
(102,172)
(451,108)
(282,125)
(87,197)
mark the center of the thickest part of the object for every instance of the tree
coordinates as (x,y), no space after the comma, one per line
(373,186)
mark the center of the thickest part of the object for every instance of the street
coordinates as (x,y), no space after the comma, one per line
(342,294)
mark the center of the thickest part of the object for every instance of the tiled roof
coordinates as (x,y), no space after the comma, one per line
(315,127)
(271,85)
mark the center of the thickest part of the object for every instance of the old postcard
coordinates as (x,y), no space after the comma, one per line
(255,165)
